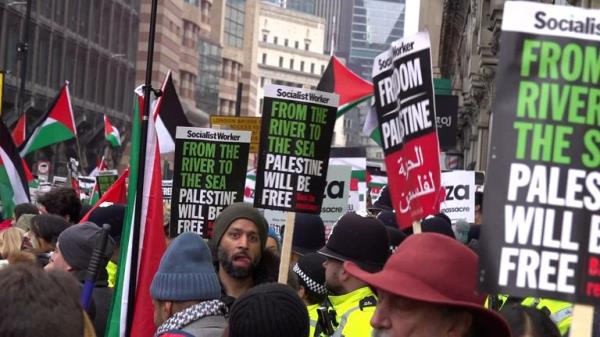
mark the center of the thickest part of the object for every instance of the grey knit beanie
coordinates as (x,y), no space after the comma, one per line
(239,210)
(186,272)
(77,242)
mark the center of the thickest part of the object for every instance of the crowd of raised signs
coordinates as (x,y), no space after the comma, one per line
(368,278)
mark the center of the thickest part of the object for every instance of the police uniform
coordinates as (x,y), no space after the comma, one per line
(356,307)
(363,241)
(561,313)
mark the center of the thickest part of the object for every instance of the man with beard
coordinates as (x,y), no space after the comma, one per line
(364,241)
(429,288)
(239,239)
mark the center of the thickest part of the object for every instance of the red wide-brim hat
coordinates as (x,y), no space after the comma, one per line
(436,269)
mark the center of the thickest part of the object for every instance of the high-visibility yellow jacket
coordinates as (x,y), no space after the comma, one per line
(313,318)
(111,269)
(353,312)
(560,312)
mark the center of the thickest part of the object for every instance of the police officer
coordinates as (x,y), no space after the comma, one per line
(560,312)
(364,241)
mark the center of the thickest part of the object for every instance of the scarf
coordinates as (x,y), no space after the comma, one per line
(192,314)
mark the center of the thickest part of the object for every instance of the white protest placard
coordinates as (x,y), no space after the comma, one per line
(459,203)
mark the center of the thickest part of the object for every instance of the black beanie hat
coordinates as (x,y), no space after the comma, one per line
(112,215)
(77,244)
(239,210)
(309,234)
(439,225)
(269,310)
(362,240)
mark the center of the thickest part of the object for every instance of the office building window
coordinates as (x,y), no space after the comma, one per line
(306,46)
(264,58)
(275,39)
(301,65)
(292,64)
(312,68)
(296,44)
(281,61)
(322,68)
(234,23)
(286,42)
(264,37)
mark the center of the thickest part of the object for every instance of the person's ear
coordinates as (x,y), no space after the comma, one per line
(301,292)
(167,309)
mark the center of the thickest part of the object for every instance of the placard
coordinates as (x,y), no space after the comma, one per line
(459,202)
(296,132)
(541,221)
(209,175)
(405,108)
(245,123)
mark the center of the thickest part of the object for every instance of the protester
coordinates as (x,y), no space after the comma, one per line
(429,288)
(268,310)
(309,235)
(11,240)
(311,277)
(528,322)
(384,201)
(239,239)
(364,241)
(61,201)
(186,290)
(39,304)
(25,208)
(273,244)
(24,222)
(43,235)
(438,224)
(114,216)
(73,252)
(395,235)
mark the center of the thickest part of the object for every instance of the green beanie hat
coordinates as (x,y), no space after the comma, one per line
(239,210)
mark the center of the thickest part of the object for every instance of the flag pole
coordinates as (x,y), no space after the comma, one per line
(141,168)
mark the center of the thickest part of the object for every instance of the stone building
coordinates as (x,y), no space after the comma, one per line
(92,44)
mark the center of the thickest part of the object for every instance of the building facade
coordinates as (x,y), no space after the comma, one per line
(92,45)
(180,26)
(236,33)
(290,48)
(357,31)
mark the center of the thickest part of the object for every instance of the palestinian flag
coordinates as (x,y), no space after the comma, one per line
(56,126)
(351,88)
(14,187)
(371,126)
(18,133)
(169,115)
(142,241)
(250,186)
(111,133)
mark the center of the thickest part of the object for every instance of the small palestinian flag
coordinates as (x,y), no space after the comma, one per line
(58,125)
(351,88)
(18,133)
(111,133)
(168,115)
(14,187)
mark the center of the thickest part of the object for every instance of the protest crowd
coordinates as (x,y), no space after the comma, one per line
(289,240)
(368,278)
